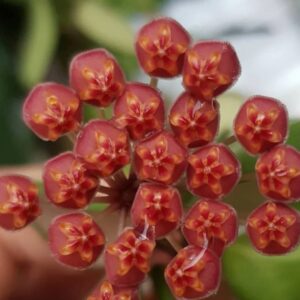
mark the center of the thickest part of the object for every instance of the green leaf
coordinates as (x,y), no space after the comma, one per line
(253,276)
(39,43)
(294,134)
(161,288)
(103,25)
(96,207)
(126,170)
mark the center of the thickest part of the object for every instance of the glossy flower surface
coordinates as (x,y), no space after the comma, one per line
(278,174)
(160,47)
(106,291)
(274,228)
(67,182)
(103,147)
(194,122)
(128,259)
(212,171)
(193,273)
(261,124)
(19,202)
(52,110)
(210,224)
(159,158)
(96,77)
(140,109)
(76,240)
(157,205)
(210,68)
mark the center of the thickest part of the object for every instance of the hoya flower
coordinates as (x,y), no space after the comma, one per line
(160,47)
(52,110)
(96,77)
(261,124)
(19,202)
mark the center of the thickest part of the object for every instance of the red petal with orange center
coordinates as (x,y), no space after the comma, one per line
(19,202)
(210,68)
(140,110)
(158,205)
(278,174)
(52,110)
(193,121)
(68,183)
(96,77)
(261,123)
(159,158)
(76,240)
(210,224)
(213,171)
(160,47)
(274,228)
(127,260)
(193,273)
(103,147)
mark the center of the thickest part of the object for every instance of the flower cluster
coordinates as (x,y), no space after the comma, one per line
(166,157)
(261,127)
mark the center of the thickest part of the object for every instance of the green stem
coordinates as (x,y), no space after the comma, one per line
(153,82)
(230,140)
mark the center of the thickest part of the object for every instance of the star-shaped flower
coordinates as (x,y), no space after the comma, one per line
(81,238)
(209,170)
(109,154)
(205,73)
(102,87)
(158,162)
(21,204)
(140,118)
(272,227)
(208,224)
(163,51)
(193,121)
(259,127)
(59,118)
(74,184)
(276,176)
(157,205)
(183,273)
(132,250)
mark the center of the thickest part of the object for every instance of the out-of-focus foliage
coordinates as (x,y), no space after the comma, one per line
(38,39)
(257,277)
(38,43)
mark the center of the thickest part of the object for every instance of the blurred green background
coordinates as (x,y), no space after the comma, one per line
(38,39)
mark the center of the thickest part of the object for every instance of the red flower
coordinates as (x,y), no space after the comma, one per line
(193,273)
(140,109)
(206,170)
(103,147)
(107,292)
(19,203)
(128,259)
(274,175)
(67,181)
(160,47)
(51,110)
(157,205)
(210,67)
(132,251)
(96,77)
(194,122)
(261,124)
(210,224)
(76,240)
(274,228)
(159,158)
